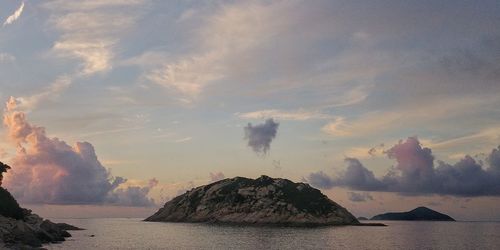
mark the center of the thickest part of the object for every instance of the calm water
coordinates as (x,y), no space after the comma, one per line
(135,234)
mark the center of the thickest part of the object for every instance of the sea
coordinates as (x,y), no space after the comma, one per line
(133,233)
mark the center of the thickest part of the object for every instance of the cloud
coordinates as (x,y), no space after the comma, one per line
(416,174)
(299,115)
(49,171)
(359,197)
(91,30)
(260,136)
(12,18)
(188,76)
(136,196)
(337,127)
(319,180)
(217,176)
(186,139)
(244,49)
(358,177)
(54,90)
(407,115)
(6,57)
(494,159)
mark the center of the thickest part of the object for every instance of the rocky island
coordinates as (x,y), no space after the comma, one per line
(261,201)
(419,213)
(22,229)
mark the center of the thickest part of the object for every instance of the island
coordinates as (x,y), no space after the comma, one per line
(417,214)
(22,229)
(261,201)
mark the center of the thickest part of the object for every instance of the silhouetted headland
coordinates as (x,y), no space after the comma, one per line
(419,213)
(261,201)
(22,229)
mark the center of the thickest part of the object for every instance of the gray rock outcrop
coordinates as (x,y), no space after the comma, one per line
(255,201)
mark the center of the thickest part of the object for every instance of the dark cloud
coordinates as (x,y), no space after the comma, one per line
(260,136)
(358,177)
(48,170)
(416,174)
(494,159)
(359,197)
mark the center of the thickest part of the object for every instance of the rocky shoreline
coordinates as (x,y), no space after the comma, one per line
(31,231)
(22,229)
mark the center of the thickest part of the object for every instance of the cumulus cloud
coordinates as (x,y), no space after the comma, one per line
(359,197)
(416,174)
(260,136)
(133,195)
(358,177)
(217,176)
(48,170)
(12,18)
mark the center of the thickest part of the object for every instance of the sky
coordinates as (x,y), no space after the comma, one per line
(120,105)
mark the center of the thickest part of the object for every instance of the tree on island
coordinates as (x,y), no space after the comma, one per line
(8,205)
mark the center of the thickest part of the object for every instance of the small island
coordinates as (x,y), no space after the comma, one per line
(261,201)
(417,214)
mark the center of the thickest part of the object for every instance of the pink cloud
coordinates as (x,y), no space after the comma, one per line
(48,170)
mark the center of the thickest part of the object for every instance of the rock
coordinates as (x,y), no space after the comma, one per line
(419,213)
(25,230)
(255,201)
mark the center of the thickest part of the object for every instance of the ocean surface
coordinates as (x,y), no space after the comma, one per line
(135,234)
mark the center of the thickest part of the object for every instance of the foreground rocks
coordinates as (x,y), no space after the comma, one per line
(21,229)
(263,201)
(30,232)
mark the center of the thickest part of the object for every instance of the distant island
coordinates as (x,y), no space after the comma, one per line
(22,229)
(419,213)
(362,218)
(261,201)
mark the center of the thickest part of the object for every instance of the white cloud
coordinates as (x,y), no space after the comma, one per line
(186,139)
(233,51)
(298,115)
(90,30)
(12,18)
(6,57)
(188,76)
(337,127)
(406,116)
(53,91)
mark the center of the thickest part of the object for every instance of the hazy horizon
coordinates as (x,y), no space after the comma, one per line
(110,108)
